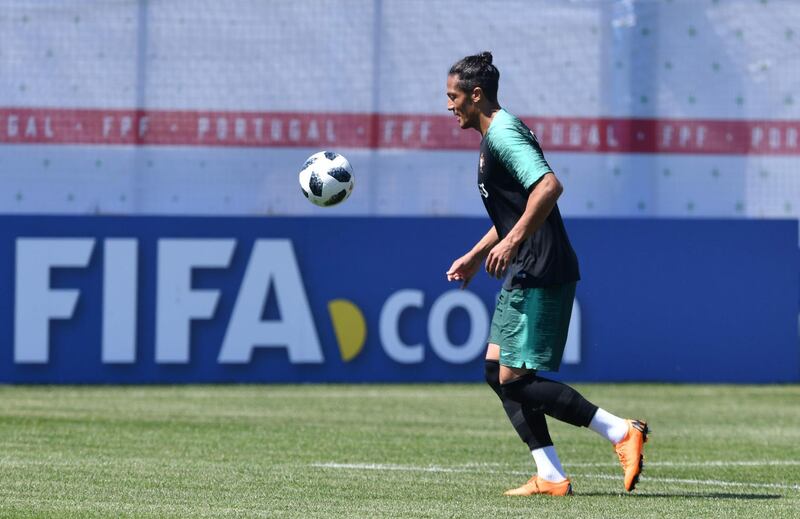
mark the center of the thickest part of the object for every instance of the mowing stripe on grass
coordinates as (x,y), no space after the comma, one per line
(677,464)
(709,482)
(386,466)
(717,463)
(434,468)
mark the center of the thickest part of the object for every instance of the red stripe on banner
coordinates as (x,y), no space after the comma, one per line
(404,131)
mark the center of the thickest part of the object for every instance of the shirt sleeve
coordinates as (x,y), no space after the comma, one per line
(519,152)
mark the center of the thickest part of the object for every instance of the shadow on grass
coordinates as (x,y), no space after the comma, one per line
(700,495)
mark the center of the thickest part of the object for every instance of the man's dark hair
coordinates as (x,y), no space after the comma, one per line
(477,71)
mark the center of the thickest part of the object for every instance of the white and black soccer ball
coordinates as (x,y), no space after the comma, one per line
(326,178)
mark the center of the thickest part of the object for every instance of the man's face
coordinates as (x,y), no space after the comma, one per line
(461,104)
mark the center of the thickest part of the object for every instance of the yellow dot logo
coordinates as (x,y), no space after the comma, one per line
(349,326)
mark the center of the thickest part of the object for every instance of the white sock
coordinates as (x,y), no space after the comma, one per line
(612,428)
(548,466)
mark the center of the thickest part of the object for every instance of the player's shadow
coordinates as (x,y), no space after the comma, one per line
(699,495)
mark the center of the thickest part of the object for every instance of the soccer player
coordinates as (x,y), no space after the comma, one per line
(528,246)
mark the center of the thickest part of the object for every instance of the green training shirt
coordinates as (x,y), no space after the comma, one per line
(510,166)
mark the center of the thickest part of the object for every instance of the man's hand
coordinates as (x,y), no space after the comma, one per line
(500,258)
(463,269)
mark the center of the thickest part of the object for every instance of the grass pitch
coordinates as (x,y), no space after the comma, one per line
(383,451)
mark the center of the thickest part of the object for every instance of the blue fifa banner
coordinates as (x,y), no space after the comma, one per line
(203,300)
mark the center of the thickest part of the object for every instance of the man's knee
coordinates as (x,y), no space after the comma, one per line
(508,374)
(514,389)
(551,397)
(491,373)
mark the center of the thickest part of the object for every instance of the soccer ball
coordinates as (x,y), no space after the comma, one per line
(326,179)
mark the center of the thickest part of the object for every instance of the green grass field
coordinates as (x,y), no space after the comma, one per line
(383,451)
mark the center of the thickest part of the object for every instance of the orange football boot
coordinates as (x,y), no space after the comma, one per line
(541,486)
(630,454)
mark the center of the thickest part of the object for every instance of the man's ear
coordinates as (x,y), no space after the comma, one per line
(477,94)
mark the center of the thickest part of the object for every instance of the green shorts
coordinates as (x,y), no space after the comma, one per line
(530,325)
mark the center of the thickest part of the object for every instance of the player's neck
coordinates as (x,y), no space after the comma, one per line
(486,117)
